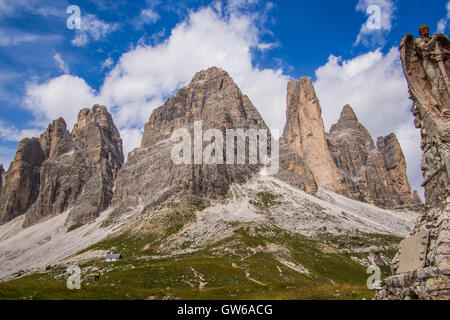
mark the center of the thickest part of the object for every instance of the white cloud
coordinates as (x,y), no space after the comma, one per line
(376,37)
(107,63)
(146,75)
(6,154)
(62,66)
(442,24)
(13,37)
(215,36)
(374,85)
(11,133)
(63,97)
(148,16)
(92,28)
(42,7)
(132,139)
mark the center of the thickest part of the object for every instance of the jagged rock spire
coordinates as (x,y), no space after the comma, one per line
(63,170)
(376,175)
(304,133)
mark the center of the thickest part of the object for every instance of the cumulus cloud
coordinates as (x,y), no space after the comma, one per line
(225,36)
(380,14)
(62,66)
(374,85)
(11,133)
(92,28)
(62,96)
(148,74)
(6,154)
(442,24)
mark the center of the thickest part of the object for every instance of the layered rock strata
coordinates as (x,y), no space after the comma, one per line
(374,174)
(211,101)
(21,182)
(63,170)
(304,133)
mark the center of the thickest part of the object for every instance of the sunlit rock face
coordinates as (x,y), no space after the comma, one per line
(64,170)
(304,133)
(150,175)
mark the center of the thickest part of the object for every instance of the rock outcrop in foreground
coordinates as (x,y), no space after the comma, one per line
(395,164)
(422,265)
(63,170)
(375,174)
(150,176)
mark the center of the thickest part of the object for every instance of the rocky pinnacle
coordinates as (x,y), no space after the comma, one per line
(375,175)
(304,133)
(64,170)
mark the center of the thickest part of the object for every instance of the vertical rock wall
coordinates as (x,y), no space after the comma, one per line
(305,134)
(422,265)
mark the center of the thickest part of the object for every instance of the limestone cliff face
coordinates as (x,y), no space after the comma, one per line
(377,176)
(56,140)
(150,175)
(80,168)
(294,170)
(395,164)
(63,170)
(422,265)
(21,182)
(304,133)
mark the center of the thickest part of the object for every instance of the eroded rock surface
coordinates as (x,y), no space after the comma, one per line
(150,175)
(294,171)
(63,170)
(21,182)
(375,175)
(428,275)
(395,164)
(304,133)
(80,169)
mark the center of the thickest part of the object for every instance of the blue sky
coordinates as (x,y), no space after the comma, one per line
(132,55)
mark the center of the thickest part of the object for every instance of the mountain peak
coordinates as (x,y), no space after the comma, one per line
(210,73)
(56,140)
(304,133)
(213,100)
(348,114)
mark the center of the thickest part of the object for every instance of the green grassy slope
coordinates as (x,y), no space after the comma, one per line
(258,261)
